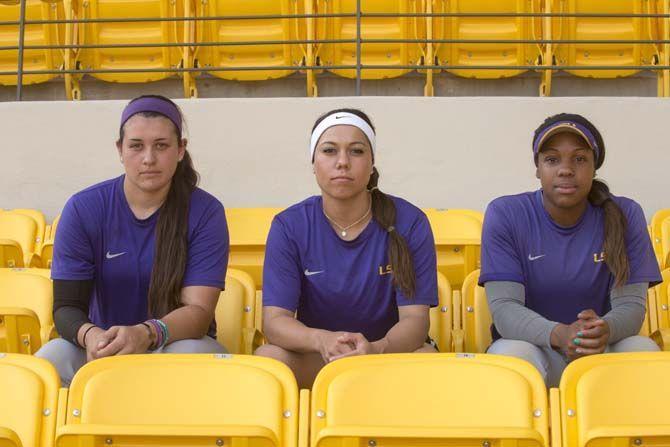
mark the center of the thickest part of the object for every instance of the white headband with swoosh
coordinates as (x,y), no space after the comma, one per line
(341,119)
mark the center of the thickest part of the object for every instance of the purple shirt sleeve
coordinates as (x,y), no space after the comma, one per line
(643,264)
(281,272)
(422,248)
(208,250)
(73,257)
(500,259)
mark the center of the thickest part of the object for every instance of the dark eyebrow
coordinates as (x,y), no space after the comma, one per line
(140,140)
(551,149)
(332,142)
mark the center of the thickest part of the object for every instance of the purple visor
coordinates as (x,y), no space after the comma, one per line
(566,126)
(150,104)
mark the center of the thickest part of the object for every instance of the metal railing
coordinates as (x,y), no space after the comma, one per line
(359,15)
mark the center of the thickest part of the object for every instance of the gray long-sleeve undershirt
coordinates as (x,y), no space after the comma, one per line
(515,321)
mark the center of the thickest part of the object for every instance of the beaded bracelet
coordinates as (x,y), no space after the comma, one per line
(162,333)
(159,334)
(166,333)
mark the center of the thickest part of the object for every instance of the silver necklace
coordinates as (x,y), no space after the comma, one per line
(343,230)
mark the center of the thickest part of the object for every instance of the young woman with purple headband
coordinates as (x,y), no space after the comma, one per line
(351,271)
(566,268)
(139,260)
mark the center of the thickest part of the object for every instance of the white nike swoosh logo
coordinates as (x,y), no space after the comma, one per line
(308,273)
(533,258)
(115,255)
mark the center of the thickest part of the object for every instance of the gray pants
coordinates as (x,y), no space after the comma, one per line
(551,363)
(68,358)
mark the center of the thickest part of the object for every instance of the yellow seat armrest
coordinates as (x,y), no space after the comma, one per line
(555,409)
(252,339)
(458,340)
(303,420)
(9,439)
(33,260)
(662,338)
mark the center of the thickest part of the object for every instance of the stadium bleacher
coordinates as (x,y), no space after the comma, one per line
(459,397)
(436,399)
(250,41)
(460,323)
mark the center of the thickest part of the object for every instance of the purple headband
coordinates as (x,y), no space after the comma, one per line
(570,126)
(151,104)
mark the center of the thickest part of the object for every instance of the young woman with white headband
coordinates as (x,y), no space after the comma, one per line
(356,265)
(567,267)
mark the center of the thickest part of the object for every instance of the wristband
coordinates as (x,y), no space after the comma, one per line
(83,338)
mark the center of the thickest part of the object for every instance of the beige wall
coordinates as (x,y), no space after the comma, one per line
(436,152)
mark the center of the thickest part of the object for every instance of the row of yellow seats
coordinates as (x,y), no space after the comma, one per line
(457,234)
(26,312)
(457,240)
(375,400)
(268,60)
(472,321)
(26,240)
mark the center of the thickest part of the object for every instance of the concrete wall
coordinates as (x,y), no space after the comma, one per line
(642,84)
(436,152)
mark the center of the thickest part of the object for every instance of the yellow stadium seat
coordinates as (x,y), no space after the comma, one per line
(650,324)
(656,236)
(25,296)
(38,34)
(428,400)
(663,300)
(663,7)
(379,54)
(475,315)
(487,28)
(19,330)
(47,254)
(50,230)
(586,55)
(457,241)
(29,387)
(18,229)
(179,400)
(661,333)
(248,228)
(40,221)
(665,243)
(235,314)
(128,33)
(615,400)
(47,251)
(441,317)
(251,30)
(11,254)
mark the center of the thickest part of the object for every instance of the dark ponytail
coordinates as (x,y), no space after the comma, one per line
(384,212)
(400,258)
(614,244)
(171,239)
